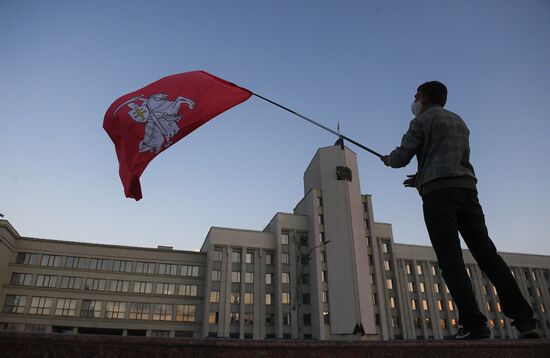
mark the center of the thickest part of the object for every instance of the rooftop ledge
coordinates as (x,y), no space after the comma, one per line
(58,345)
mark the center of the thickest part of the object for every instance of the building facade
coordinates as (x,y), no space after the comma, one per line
(327,271)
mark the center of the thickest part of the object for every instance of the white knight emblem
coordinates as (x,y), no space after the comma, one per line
(160,117)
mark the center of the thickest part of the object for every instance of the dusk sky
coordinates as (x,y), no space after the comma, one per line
(356,63)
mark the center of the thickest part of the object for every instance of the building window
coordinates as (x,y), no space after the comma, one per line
(285,258)
(187,290)
(320,219)
(145,267)
(419,269)
(284,238)
(323,255)
(234,317)
(319,201)
(286,319)
(440,305)
(249,319)
(366,221)
(25,258)
(75,262)
(307,319)
(371,278)
(306,298)
(285,277)
(326,317)
(395,322)
(217,255)
(489,306)
(269,259)
(46,281)
(453,322)
(417,322)
(95,284)
(389,284)
(386,265)
(324,277)
(119,286)
(185,313)
(249,277)
(213,318)
(216,275)
(189,271)
(442,324)
(21,279)
(236,256)
(270,320)
(434,270)
(321,237)
(369,241)
(166,289)
(268,299)
(66,307)
(73,283)
(385,248)
(410,286)
(51,260)
(436,287)
(425,305)
(268,278)
(14,304)
(392,302)
(374,298)
(248,298)
(235,297)
(235,276)
(413,304)
(162,312)
(249,257)
(122,266)
(305,278)
(90,309)
(325,296)
(115,310)
(168,269)
(285,298)
(451,306)
(408,268)
(422,287)
(143,287)
(41,305)
(99,264)
(214,296)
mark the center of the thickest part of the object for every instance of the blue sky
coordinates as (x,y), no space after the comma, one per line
(357,63)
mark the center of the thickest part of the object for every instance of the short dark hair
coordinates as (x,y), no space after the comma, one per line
(436,90)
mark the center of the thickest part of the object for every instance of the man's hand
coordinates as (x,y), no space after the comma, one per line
(410,182)
(386,160)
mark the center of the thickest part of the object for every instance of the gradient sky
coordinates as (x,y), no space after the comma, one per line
(357,63)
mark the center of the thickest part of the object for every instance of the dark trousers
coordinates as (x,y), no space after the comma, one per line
(448,212)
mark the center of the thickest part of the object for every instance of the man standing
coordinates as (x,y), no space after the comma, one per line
(446,181)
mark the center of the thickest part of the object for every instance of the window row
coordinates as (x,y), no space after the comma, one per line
(235,298)
(99,309)
(95,284)
(75,262)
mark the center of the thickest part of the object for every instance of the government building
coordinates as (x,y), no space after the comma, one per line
(327,271)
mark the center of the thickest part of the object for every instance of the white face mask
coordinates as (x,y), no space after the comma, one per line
(416,107)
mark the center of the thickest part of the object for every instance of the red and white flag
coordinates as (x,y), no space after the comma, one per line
(144,123)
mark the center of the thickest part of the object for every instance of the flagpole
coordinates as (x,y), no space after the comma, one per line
(319,125)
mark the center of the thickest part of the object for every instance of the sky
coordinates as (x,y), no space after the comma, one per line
(353,63)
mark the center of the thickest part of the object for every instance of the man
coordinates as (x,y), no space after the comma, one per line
(446,181)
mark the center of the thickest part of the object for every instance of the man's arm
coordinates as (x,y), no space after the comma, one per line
(412,140)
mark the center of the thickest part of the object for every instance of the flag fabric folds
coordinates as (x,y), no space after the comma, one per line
(145,122)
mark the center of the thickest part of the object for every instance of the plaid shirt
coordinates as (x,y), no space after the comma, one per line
(440,140)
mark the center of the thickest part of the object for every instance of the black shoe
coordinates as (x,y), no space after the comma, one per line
(527,330)
(530,334)
(469,333)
